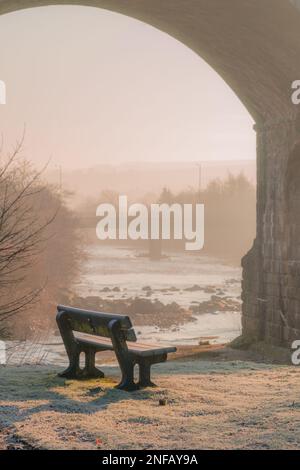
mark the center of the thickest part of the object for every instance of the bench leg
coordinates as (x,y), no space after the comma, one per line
(73,371)
(127,382)
(145,374)
(125,361)
(90,370)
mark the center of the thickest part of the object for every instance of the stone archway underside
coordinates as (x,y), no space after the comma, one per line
(254,45)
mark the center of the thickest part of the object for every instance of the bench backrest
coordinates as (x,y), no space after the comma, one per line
(94,323)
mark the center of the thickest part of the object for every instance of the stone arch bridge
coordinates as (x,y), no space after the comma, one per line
(254,45)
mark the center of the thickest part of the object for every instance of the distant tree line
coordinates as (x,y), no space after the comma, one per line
(230,215)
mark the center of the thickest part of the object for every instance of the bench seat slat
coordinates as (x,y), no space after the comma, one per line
(140,349)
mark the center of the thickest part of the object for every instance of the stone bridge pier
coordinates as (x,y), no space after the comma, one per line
(271,270)
(254,45)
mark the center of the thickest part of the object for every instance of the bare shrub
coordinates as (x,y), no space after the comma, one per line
(38,245)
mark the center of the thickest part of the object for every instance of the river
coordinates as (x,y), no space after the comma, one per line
(115,273)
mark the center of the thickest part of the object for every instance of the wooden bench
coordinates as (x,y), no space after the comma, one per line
(88,332)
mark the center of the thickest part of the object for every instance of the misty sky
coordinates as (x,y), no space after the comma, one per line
(95,87)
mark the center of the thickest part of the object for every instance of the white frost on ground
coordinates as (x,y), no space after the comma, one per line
(209,405)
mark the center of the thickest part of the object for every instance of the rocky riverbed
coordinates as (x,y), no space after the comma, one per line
(149,310)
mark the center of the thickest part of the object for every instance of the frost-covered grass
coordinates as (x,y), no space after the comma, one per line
(229,404)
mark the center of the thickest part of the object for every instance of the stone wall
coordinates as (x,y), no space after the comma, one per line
(271,270)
